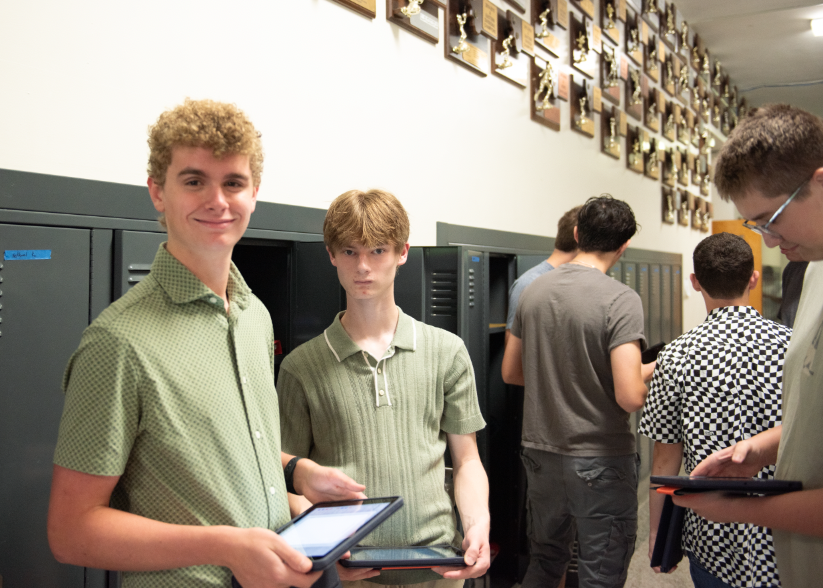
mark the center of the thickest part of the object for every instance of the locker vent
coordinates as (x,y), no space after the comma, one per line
(138,271)
(444,293)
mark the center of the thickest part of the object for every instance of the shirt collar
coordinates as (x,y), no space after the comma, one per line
(182,286)
(718,313)
(341,345)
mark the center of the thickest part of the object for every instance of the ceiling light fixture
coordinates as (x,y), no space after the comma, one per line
(817,27)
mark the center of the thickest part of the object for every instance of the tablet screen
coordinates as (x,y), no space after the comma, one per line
(405,553)
(324,527)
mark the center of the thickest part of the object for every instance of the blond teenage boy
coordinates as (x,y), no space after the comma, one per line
(380,396)
(168,462)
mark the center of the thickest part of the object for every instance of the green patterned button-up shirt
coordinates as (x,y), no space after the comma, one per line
(177,398)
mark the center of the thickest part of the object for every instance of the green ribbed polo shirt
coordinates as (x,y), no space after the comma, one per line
(177,398)
(384,423)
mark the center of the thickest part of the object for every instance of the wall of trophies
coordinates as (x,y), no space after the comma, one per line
(635,67)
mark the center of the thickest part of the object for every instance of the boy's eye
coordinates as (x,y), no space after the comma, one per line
(379,251)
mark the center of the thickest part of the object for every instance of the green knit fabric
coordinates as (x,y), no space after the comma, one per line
(333,412)
(178,399)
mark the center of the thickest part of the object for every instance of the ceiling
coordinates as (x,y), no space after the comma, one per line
(766,46)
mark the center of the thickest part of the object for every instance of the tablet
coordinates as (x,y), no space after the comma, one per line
(404,558)
(680,485)
(328,529)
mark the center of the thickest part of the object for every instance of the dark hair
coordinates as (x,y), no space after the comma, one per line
(723,264)
(565,231)
(604,224)
(773,150)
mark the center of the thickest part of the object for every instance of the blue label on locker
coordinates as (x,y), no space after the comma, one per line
(19,254)
(475,258)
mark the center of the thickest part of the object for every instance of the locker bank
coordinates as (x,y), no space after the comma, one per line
(72,246)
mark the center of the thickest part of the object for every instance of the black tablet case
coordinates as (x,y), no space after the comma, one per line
(668,546)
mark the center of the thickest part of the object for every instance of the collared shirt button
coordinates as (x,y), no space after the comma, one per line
(272,490)
(379,371)
(243,379)
(258,434)
(382,393)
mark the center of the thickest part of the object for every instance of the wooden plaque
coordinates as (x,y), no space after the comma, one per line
(651,112)
(597,37)
(670,169)
(608,21)
(652,62)
(581,55)
(424,24)
(597,99)
(634,149)
(634,94)
(623,121)
(624,67)
(633,45)
(668,205)
(482,16)
(545,105)
(668,25)
(563,13)
(610,75)
(472,51)
(610,132)
(683,165)
(508,60)
(684,125)
(684,208)
(582,114)
(651,13)
(544,14)
(669,76)
(669,121)
(621,10)
(652,160)
(364,7)
(563,83)
(587,6)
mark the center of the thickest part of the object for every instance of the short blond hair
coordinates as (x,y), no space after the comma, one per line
(371,218)
(218,126)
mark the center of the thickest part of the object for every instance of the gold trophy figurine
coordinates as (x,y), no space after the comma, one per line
(611,143)
(716,117)
(684,169)
(705,183)
(636,88)
(674,173)
(726,91)
(695,58)
(582,120)
(507,43)
(634,156)
(544,23)
(669,73)
(412,8)
(610,24)
(670,30)
(669,128)
(634,43)
(698,218)
(684,34)
(684,77)
(651,6)
(653,59)
(718,78)
(547,86)
(684,212)
(705,64)
(653,161)
(461,46)
(614,73)
(582,47)
(669,208)
(705,225)
(651,112)
(705,108)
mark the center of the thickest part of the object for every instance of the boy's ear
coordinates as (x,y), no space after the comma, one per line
(404,255)
(331,256)
(754,279)
(695,283)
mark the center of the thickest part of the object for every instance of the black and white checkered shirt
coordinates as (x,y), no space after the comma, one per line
(714,386)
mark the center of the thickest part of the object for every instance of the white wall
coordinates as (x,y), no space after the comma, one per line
(342,101)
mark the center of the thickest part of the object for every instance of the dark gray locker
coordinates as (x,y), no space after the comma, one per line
(524,262)
(134,253)
(44,307)
(630,274)
(643,290)
(666,303)
(616,272)
(316,295)
(655,306)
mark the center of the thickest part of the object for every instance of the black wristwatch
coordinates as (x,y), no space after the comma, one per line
(288,474)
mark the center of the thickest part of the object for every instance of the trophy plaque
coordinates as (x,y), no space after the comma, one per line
(610,131)
(717,77)
(635,139)
(708,212)
(635,91)
(671,69)
(581,52)
(706,180)
(651,111)
(545,105)
(683,165)
(364,7)
(682,82)
(671,170)
(513,48)
(684,208)
(684,42)
(608,20)
(420,17)
(705,67)
(651,163)
(726,124)
(469,33)
(669,210)
(652,61)
(581,102)
(684,125)
(696,53)
(668,26)
(698,169)
(634,47)
(670,118)
(587,6)
(545,14)
(610,75)
(651,13)
(520,5)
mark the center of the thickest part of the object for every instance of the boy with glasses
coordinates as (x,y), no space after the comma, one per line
(772,169)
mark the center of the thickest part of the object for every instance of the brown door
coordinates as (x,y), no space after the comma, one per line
(735,227)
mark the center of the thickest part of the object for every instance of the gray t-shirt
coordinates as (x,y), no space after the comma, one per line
(520,284)
(569,321)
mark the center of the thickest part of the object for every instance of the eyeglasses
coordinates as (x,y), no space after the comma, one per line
(764,229)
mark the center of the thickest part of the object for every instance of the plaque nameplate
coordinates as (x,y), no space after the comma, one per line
(490,19)
(563,86)
(621,10)
(623,122)
(597,38)
(364,7)
(587,6)
(528,37)
(563,13)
